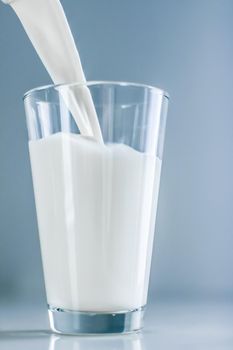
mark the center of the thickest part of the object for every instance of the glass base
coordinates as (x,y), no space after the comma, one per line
(77,322)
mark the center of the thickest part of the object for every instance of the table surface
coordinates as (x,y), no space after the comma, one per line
(176,325)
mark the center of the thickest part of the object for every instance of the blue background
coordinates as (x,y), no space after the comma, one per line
(183,46)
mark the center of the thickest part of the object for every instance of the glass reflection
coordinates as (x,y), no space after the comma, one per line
(120,342)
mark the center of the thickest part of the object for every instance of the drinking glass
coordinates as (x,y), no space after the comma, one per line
(96,201)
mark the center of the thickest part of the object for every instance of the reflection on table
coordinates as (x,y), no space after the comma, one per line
(121,342)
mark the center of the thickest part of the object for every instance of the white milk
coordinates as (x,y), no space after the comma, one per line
(46,26)
(96,208)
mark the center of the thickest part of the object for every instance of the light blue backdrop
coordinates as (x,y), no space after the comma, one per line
(184,46)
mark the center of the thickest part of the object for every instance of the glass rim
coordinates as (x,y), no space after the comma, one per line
(155,89)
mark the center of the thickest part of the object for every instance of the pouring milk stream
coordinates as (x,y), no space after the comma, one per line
(46,26)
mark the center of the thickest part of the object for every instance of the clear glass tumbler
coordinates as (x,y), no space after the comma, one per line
(96,202)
